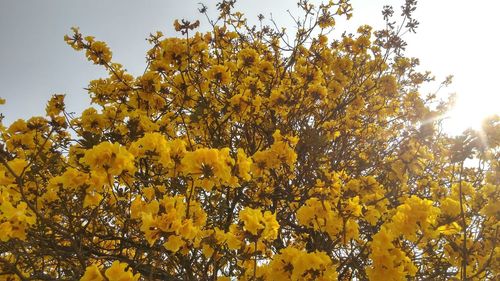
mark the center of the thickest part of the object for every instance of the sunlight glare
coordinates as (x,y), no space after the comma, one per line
(469,112)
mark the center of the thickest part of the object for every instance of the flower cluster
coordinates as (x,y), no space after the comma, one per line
(170,219)
(117,271)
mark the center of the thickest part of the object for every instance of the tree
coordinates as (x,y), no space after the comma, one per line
(242,154)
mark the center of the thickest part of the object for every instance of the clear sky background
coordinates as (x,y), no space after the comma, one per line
(456,37)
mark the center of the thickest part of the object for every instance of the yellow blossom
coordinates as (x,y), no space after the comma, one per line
(173,243)
(119,272)
(108,157)
(92,273)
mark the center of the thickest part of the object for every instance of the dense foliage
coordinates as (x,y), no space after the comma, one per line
(244,154)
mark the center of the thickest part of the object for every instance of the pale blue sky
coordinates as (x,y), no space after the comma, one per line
(455,37)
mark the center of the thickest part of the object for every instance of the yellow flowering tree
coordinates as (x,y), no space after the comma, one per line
(246,153)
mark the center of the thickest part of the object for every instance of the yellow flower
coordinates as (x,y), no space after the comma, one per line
(150,82)
(280,154)
(19,213)
(92,273)
(319,215)
(55,105)
(450,207)
(112,158)
(247,57)
(244,164)
(413,214)
(6,233)
(271,226)
(294,264)
(449,229)
(219,74)
(150,227)
(174,243)
(92,199)
(177,150)
(264,225)
(211,166)
(317,91)
(351,230)
(73,178)
(207,251)
(18,126)
(252,220)
(233,242)
(98,52)
(18,166)
(117,272)
(153,145)
(91,120)
(353,206)
(385,259)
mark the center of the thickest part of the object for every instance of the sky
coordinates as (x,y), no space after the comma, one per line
(454,37)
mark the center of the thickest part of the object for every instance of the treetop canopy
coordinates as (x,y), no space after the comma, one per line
(250,153)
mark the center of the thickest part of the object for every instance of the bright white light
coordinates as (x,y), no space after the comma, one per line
(469,112)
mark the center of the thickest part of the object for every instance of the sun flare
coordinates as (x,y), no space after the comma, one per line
(470,111)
